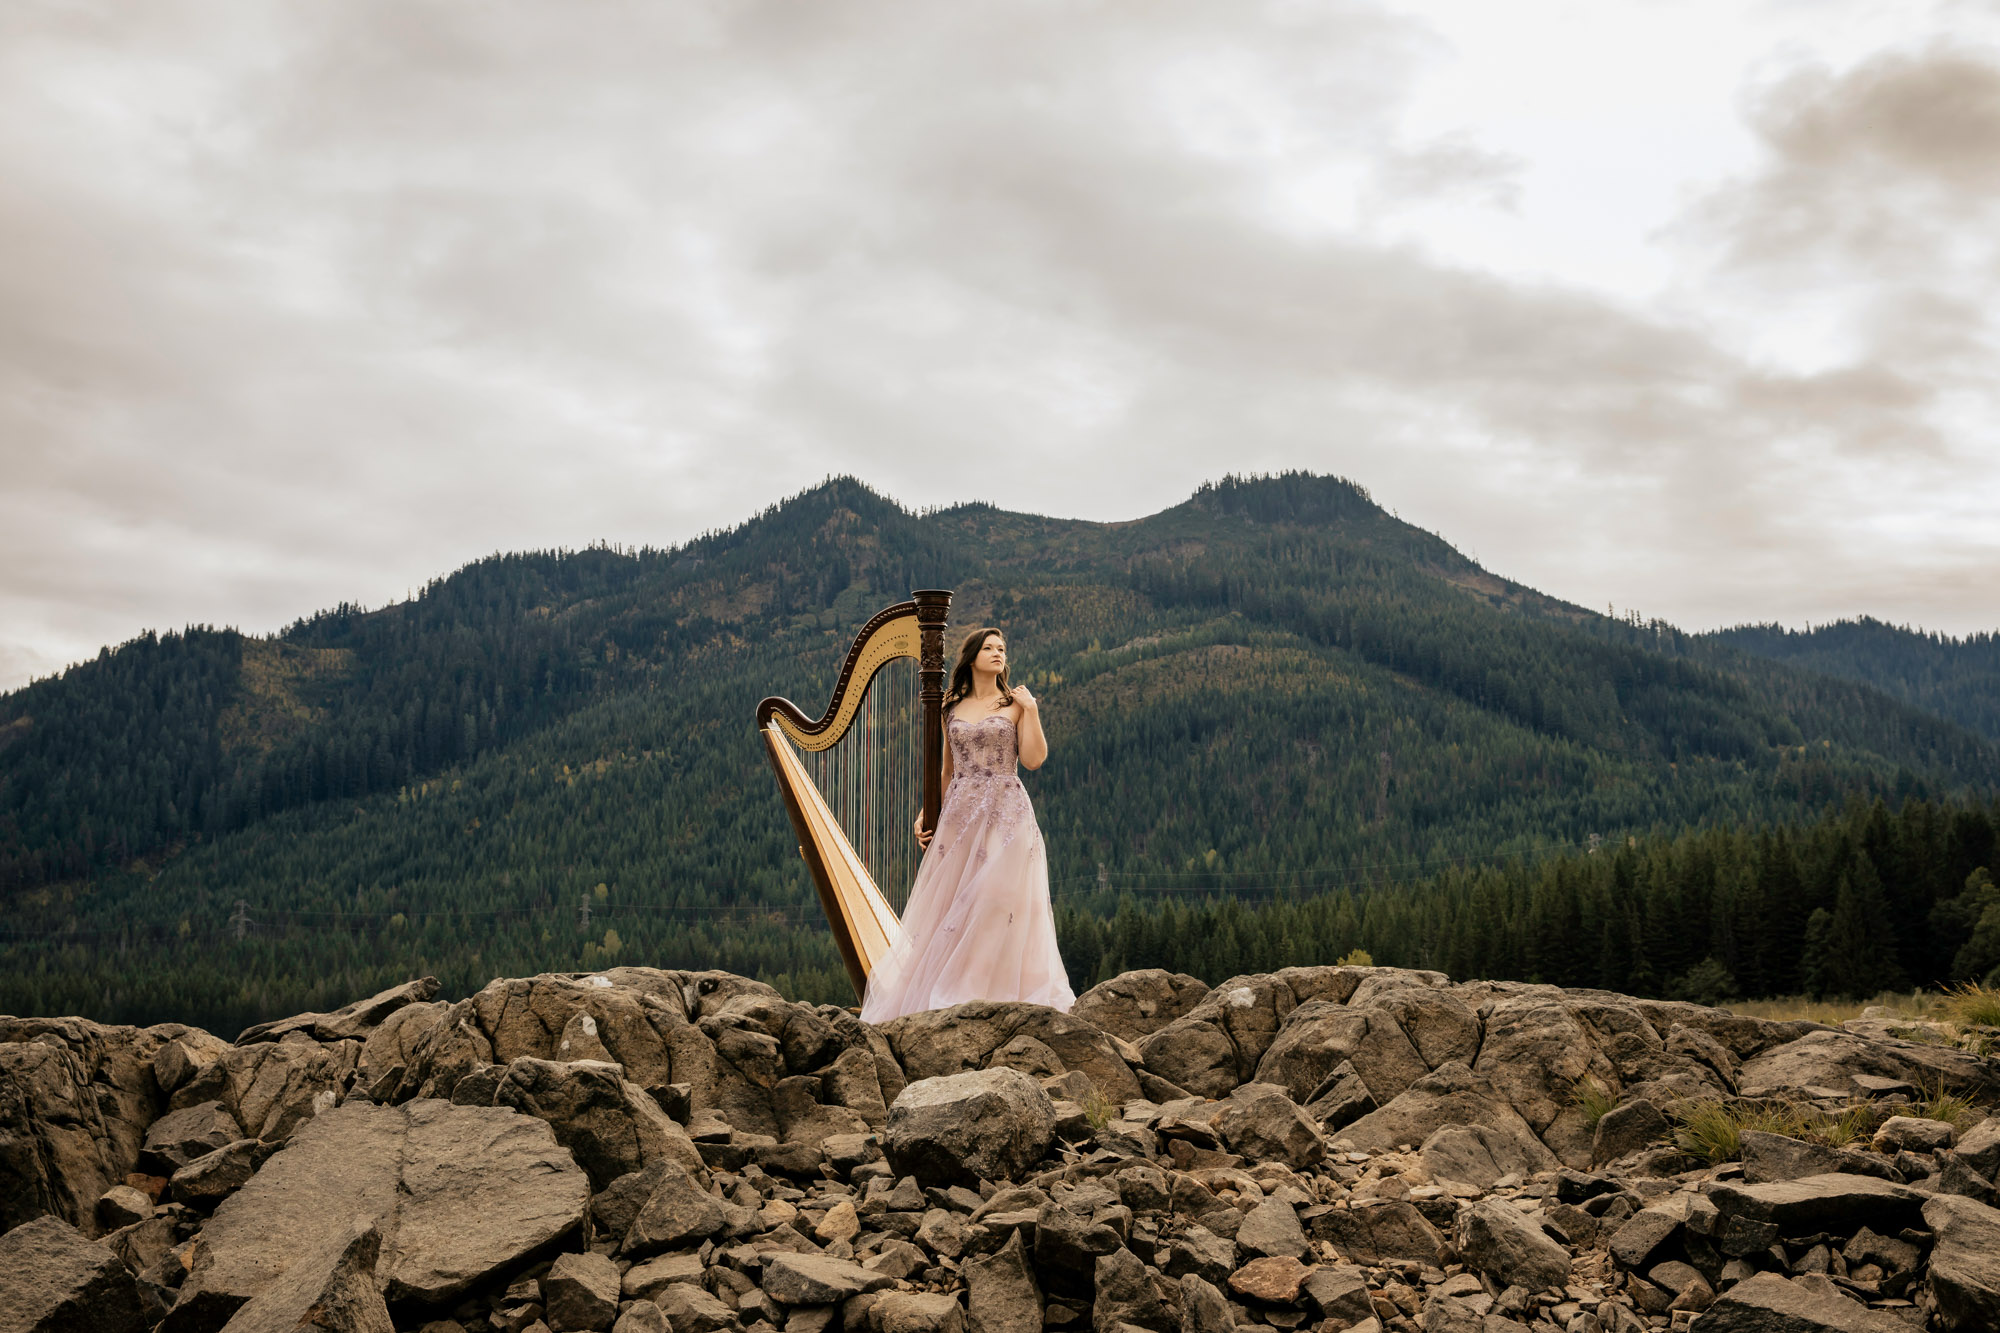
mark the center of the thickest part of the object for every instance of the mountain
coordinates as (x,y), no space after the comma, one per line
(1957,679)
(547,760)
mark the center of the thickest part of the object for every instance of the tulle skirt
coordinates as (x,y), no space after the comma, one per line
(978,925)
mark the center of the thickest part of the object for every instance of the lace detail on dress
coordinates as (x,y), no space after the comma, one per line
(984,788)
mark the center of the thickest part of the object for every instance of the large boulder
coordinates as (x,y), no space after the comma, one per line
(1498,1240)
(1482,1155)
(1001,1294)
(178,1137)
(1449,1095)
(1768,1303)
(349,1022)
(611,1125)
(270,1088)
(983,1034)
(54,1280)
(1218,1044)
(1752,1217)
(332,1289)
(1132,1005)
(959,1129)
(1768,1157)
(1320,1035)
(1382,1233)
(458,1194)
(1261,1124)
(1962,1285)
(1832,1059)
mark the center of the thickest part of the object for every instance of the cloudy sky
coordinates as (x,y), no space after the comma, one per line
(1686,307)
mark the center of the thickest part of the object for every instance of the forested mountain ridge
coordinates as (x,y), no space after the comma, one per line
(547,759)
(1957,679)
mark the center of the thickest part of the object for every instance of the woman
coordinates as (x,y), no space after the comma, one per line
(978,926)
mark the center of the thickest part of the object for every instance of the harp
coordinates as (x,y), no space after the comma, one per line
(852,776)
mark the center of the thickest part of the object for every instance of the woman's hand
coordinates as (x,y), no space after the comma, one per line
(923,834)
(1023,697)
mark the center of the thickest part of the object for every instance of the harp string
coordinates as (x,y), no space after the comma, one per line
(872,779)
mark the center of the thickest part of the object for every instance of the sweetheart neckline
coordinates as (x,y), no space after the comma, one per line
(956,720)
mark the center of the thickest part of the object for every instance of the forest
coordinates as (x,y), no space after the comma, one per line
(1274,704)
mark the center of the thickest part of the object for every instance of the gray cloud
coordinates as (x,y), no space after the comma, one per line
(304,304)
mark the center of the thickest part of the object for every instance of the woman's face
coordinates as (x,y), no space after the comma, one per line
(992,655)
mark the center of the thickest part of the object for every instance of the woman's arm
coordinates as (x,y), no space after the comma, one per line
(1028,727)
(944,782)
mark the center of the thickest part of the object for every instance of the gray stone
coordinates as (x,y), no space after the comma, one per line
(1001,1294)
(959,1129)
(1830,1059)
(1449,1095)
(1642,1234)
(1768,1303)
(213,1177)
(642,1317)
(57,1281)
(1070,1242)
(1497,1239)
(121,1206)
(1626,1129)
(459,1194)
(331,1290)
(817,1279)
(916,1312)
(1125,1295)
(1271,1227)
(1200,1251)
(1267,1126)
(679,1212)
(1754,1215)
(611,1125)
(971,1036)
(1903,1133)
(1447,1314)
(690,1309)
(352,1021)
(1137,1004)
(1318,1036)
(274,1087)
(648,1278)
(580,1293)
(1979,1150)
(1382,1233)
(1769,1157)
(1480,1155)
(1963,1281)
(1339,1292)
(1204,1309)
(178,1137)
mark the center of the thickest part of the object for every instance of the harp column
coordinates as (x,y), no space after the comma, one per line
(933,607)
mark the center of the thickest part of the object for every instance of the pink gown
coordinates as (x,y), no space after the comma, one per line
(978,925)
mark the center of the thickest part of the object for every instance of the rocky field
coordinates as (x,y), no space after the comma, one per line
(1327,1148)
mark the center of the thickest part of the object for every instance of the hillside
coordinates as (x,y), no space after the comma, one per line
(546,760)
(1958,679)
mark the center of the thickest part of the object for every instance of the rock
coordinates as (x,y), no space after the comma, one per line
(642,1317)
(580,1293)
(1001,1294)
(58,1147)
(916,1312)
(352,1021)
(816,1279)
(213,1177)
(458,1193)
(958,1129)
(1497,1239)
(1339,1292)
(1963,1282)
(121,1206)
(1768,1303)
(943,1233)
(1480,1155)
(1753,1216)
(1268,1126)
(1273,1280)
(609,1123)
(689,1309)
(1318,1036)
(1902,1133)
(1068,1242)
(1829,1059)
(1125,1295)
(1439,1024)
(273,1087)
(1979,1150)
(185,1057)
(178,1137)
(142,1244)
(1769,1157)
(1380,1234)
(646,1279)
(972,1036)
(1137,1004)
(1534,1053)
(1627,1128)
(1204,1309)
(1217,1044)
(1641,1236)
(1341,1098)
(1449,1095)
(330,1290)
(1271,1227)
(839,1222)
(1201,1252)
(57,1281)
(677,1213)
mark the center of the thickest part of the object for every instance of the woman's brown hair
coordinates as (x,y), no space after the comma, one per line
(961,675)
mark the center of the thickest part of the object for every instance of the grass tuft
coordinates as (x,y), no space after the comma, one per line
(1970,1004)
(1594,1099)
(1098,1110)
(1712,1128)
(1961,1113)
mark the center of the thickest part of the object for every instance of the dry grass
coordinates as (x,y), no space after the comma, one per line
(1970,1004)
(1593,1098)
(1713,1129)
(1910,1004)
(1098,1110)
